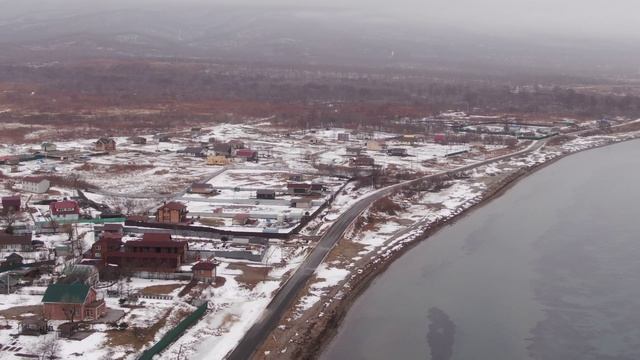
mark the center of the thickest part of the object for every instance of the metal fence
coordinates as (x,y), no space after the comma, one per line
(174,334)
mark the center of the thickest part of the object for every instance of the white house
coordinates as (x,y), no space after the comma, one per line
(36,186)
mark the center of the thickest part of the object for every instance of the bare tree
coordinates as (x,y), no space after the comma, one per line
(53,224)
(9,218)
(130,206)
(70,311)
(49,348)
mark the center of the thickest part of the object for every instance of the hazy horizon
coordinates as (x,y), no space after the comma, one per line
(596,19)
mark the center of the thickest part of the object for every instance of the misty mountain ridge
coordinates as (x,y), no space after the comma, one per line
(297,35)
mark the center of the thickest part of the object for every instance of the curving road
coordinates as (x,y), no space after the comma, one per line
(283,299)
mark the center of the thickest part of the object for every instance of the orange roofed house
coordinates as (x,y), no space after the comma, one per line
(172,212)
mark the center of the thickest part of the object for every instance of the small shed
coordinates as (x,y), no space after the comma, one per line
(205,271)
(34,326)
(267,194)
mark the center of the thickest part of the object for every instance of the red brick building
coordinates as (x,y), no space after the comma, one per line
(108,242)
(154,253)
(72,302)
(172,212)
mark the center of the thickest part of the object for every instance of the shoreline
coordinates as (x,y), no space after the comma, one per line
(360,282)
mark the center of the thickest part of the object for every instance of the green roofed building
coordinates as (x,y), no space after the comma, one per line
(72,302)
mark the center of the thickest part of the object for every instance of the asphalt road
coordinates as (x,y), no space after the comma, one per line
(283,299)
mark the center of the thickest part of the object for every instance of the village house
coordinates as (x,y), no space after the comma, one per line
(362,160)
(155,252)
(196,151)
(223,149)
(353,151)
(301,203)
(266,194)
(172,212)
(72,302)
(296,178)
(65,210)
(236,144)
(108,242)
(15,243)
(343,137)
(317,189)
(47,147)
(397,152)
(201,188)
(205,271)
(219,160)
(164,138)
(105,144)
(298,188)
(375,145)
(247,154)
(364,135)
(34,185)
(12,261)
(11,204)
(240,219)
(139,140)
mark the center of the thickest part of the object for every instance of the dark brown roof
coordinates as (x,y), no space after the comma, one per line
(9,239)
(174,205)
(156,244)
(298,186)
(113,227)
(204,265)
(156,237)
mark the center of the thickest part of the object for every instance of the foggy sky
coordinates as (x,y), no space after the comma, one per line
(577,18)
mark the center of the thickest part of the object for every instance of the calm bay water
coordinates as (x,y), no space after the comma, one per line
(550,270)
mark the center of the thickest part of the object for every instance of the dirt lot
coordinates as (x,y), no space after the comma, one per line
(15,313)
(160,289)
